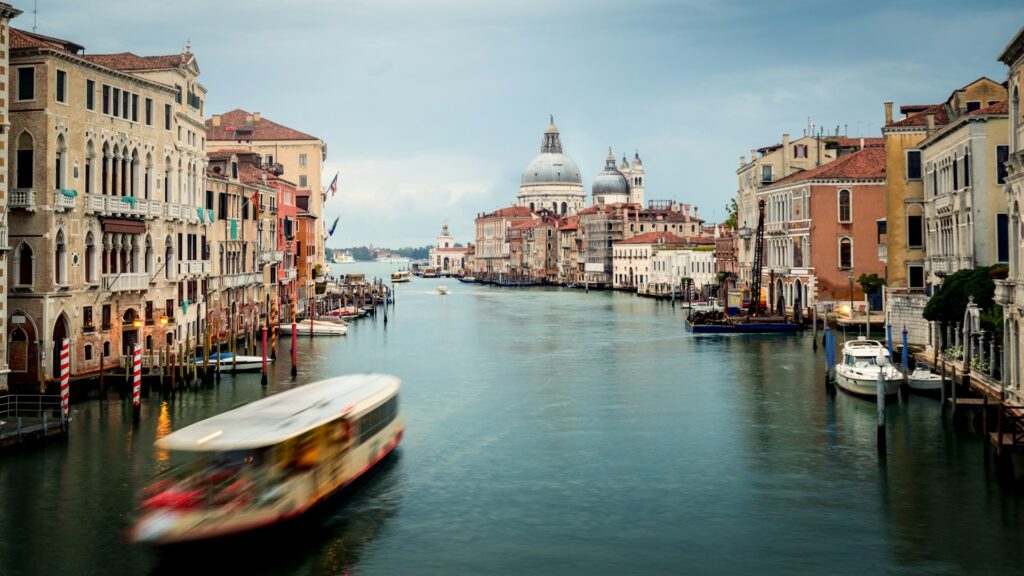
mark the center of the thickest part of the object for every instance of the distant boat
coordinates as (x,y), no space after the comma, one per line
(342,258)
(442,290)
(394,259)
(229,361)
(401,276)
(468,280)
(429,272)
(320,328)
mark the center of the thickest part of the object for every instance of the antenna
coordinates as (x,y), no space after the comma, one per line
(35,14)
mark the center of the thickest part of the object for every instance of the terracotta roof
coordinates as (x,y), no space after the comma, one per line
(510,212)
(227,152)
(241,125)
(522,225)
(451,249)
(921,118)
(129,61)
(866,164)
(655,238)
(22,39)
(570,223)
(911,108)
(1001,107)
(848,142)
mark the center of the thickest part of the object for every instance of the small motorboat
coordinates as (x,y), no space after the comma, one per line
(442,290)
(863,359)
(229,360)
(321,327)
(922,379)
(468,280)
(401,276)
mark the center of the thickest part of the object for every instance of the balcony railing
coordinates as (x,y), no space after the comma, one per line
(24,198)
(270,257)
(290,275)
(238,280)
(1003,293)
(62,202)
(200,267)
(126,282)
(121,206)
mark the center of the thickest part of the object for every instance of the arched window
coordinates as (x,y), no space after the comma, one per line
(532,207)
(23,263)
(17,350)
(149,255)
(167,179)
(105,172)
(90,258)
(133,180)
(1015,118)
(845,253)
(90,154)
(147,177)
(58,163)
(24,162)
(60,256)
(845,208)
(169,259)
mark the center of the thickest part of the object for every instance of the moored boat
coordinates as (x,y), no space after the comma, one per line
(468,280)
(238,363)
(922,379)
(272,460)
(321,327)
(858,372)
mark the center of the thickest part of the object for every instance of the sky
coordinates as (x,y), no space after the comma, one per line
(432,108)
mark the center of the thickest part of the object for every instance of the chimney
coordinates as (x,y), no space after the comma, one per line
(216,120)
(695,213)
(861,142)
(888,112)
(930,120)
(743,161)
(785,140)
(255,116)
(753,155)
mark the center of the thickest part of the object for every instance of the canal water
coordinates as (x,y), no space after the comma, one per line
(550,431)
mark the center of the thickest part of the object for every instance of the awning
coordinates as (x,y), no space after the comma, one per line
(123,225)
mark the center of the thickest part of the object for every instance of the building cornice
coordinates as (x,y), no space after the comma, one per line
(49,52)
(951,128)
(1014,49)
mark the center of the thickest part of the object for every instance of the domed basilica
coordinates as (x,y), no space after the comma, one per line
(552,180)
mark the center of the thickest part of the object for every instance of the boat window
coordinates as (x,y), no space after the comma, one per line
(375,420)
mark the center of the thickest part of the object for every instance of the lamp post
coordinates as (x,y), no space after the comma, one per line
(167,355)
(851,293)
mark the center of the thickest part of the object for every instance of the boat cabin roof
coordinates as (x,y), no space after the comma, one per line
(864,348)
(277,418)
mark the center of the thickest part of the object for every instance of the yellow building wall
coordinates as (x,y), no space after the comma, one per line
(898,191)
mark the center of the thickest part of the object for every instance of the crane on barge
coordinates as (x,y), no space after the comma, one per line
(755,273)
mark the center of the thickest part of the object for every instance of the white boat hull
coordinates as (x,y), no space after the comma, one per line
(867,387)
(320,328)
(925,384)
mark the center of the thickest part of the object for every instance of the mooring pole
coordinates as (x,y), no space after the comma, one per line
(880,399)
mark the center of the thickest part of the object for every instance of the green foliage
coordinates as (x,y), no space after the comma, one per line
(733,210)
(992,320)
(870,283)
(317,271)
(949,303)
(365,254)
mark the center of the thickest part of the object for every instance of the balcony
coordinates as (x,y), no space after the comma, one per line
(62,201)
(24,198)
(239,280)
(194,267)
(121,206)
(944,203)
(271,257)
(290,275)
(126,282)
(1003,293)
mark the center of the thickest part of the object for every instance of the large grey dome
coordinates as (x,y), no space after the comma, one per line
(551,166)
(610,181)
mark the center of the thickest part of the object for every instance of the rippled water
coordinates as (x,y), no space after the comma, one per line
(556,432)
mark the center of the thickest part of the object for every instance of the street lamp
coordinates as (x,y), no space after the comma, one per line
(851,293)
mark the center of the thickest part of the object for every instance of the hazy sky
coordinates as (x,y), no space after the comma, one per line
(432,108)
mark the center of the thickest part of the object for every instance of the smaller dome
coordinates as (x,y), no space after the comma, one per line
(636,160)
(625,164)
(610,181)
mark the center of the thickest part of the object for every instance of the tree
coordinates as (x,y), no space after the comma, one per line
(733,210)
(870,283)
(949,303)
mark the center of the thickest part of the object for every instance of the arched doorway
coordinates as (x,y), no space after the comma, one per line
(130,325)
(22,352)
(60,332)
(446,263)
(780,298)
(798,301)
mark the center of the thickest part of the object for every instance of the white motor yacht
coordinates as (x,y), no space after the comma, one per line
(858,371)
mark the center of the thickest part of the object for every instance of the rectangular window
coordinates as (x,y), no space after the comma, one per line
(149,311)
(27,83)
(1003,237)
(177,95)
(90,94)
(115,102)
(106,99)
(967,169)
(956,175)
(135,107)
(915,231)
(302,181)
(302,159)
(766,173)
(1002,155)
(167,116)
(87,317)
(124,106)
(106,316)
(169,308)
(24,168)
(62,86)
(913,164)
(149,111)
(915,277)
(972,106)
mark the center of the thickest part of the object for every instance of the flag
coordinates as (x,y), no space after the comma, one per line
(256,203)
(333,226)
(333,188)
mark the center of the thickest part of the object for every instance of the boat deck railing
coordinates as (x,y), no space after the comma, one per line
(24,416)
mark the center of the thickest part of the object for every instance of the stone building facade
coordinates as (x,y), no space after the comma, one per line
(108,224)
(7,12)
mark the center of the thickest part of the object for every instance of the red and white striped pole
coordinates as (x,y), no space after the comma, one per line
(136,383)
(295,335)
(65,380)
